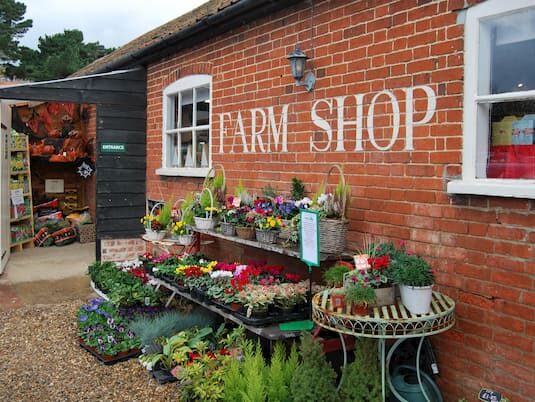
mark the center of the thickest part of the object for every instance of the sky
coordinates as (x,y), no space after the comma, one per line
(113,23)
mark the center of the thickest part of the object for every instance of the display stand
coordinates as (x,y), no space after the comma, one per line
(21,211)
(387,322)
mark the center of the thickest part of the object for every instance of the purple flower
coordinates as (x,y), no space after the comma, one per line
(90,307)
(130,334)
(120,328)
(83,318)
(100,340)
(111,339)
(110,321)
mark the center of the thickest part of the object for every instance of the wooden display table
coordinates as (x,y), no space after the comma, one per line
(387,322)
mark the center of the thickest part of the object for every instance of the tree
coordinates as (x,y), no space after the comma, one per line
(12,27)
(58,56)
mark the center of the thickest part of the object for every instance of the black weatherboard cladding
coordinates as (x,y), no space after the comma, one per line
(121,175)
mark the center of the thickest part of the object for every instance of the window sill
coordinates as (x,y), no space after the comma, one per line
(182,172)
(519,188)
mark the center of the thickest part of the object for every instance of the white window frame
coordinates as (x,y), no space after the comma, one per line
(475,142)
(189,82)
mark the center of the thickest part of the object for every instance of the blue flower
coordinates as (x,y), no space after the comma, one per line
(83,318)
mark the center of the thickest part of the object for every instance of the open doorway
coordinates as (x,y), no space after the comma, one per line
(52,169)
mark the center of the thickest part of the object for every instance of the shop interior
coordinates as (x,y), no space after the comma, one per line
(52,177)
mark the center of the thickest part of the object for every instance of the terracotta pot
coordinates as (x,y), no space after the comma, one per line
(338,300)
(235,306)
(359,309)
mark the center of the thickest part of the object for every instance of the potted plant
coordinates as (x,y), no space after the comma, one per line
(360,296)
(415,279)
(332,208)
(154,229)
(181,232)
(286,209)
(229,219)
(334,277)
(205,210)
(267,228)
(245,225)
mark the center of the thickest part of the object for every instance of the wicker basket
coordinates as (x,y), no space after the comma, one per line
(286,230)
(207,223)
(267,236)
(245,232)
(184,240)
(228,229)
(333,231)
(155,235)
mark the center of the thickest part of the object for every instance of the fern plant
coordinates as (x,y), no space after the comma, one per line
(277,384)
(254,367)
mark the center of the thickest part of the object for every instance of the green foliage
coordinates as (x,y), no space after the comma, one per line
(186,208)
(278,381)
(165,215)
(12,27)
(58,56)
(168,323)
(122,288)
(269,192)
(411,270)
(342,193)
(245,197)
(359,294)
(314,378)
(298,189)
(254,368)
(334,276)
(362,378)
(235,382)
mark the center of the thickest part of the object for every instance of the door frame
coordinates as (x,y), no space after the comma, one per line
(5,145)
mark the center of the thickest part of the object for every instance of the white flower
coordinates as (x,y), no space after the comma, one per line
(322,198)
(220,274)
(303,203)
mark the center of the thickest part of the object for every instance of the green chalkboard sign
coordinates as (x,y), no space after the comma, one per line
(112,147)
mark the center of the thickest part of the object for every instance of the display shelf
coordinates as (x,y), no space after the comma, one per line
(270,332)
(21,218)
(275,248)
(21,146)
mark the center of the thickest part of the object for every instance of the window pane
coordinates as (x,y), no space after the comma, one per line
(173,156)
(172,111)
(203,158)
(512,149)
(203,105)
(187,150)
(186,115)
(507,53)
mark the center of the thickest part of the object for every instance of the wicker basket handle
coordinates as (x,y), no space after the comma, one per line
(211,199)
(179,210)
(344,196)
(212,170)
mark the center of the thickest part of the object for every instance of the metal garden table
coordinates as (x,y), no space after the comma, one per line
(386,322)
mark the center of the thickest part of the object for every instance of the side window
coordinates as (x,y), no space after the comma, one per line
(186,127)
(499,100)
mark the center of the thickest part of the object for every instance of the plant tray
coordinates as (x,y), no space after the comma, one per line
(272,318)
(163,376)
(109,360)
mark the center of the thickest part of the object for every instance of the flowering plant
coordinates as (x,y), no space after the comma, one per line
(245,216)
(230,215)
(180,228)
(285,209)
(100,326)
(268,222)
(152,222)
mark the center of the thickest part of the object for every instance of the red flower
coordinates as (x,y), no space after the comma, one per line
(294,278)
(379,262)
(194,355)
(224,352)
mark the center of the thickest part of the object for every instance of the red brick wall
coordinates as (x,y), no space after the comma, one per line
(481,248)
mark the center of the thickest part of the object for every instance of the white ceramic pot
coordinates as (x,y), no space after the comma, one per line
(416,299)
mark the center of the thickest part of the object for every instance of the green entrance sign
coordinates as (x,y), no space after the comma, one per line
(112,147)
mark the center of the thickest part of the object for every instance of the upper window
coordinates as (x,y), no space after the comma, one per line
(186,127)
(499,100)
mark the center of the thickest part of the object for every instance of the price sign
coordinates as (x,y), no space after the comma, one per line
(17,197)
(488,395)
(310,238)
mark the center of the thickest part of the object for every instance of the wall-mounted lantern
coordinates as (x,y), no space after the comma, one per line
(297,62)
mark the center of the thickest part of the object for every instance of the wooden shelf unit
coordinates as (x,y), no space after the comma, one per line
(27,218)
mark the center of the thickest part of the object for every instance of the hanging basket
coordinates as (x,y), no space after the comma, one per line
(207,223)
(333,231)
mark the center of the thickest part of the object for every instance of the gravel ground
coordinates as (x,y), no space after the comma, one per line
(41,361)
